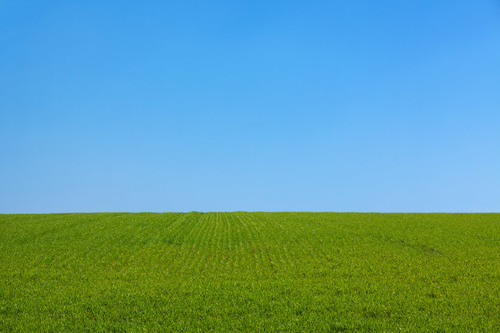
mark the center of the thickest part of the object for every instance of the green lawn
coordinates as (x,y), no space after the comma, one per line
(242,271)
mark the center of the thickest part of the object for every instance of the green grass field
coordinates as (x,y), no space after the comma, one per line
(241,271)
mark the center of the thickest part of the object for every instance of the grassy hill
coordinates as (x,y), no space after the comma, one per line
(250,272)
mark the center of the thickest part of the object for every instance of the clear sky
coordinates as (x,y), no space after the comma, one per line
(389,106)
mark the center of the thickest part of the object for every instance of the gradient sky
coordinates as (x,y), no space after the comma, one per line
(250,105)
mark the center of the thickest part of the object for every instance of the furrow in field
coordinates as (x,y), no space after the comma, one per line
(83,246)
(247,255)
(261,262)
(182,236)
(154,233)
(267,261)
(250,254)
(183,256)
(204,254)
(220,236)
(234,244)
(231,236)
(197,253)
(158,247)
(271,228)
(246,258)
(208,265)
(304,237)
(213,244)
(210,245)
(320,230)
(224,236)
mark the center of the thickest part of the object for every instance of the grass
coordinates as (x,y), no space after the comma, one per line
(242,271)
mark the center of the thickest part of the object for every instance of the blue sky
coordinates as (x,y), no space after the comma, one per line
(388,106)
